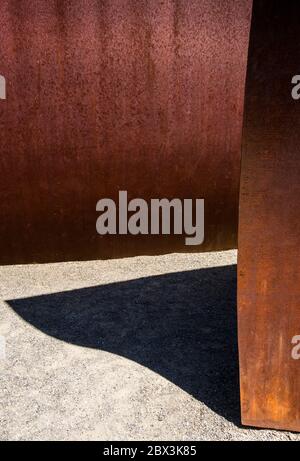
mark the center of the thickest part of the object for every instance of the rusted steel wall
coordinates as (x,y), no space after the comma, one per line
(269,231)
(102,96)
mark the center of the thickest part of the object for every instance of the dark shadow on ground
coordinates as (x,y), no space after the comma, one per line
(181,325)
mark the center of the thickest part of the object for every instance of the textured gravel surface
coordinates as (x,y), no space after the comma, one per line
(133,349)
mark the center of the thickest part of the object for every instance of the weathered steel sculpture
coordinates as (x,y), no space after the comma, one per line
(147,97)
(269,230)
(102,96)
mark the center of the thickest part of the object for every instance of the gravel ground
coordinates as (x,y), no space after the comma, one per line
(132,349)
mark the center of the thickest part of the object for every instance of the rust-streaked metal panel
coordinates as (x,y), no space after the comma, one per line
(109,95)
(269,228)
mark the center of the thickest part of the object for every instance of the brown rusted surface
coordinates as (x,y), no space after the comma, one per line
(102,96)
(269,230)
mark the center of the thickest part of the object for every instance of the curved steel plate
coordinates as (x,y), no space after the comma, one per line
(269,228)
(102,96)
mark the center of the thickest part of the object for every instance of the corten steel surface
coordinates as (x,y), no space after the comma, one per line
(102,96)
(269,229)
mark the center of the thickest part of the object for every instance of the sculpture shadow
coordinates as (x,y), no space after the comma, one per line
(181,325)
